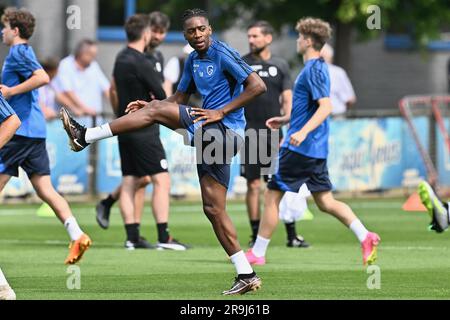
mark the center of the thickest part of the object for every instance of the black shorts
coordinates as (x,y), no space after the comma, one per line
(28,153)
(213,137)
(140,158)
(260,154)
(295,169)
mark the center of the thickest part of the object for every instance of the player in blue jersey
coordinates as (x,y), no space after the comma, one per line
(226,83)
(9,123)
(21,77)
(303,155)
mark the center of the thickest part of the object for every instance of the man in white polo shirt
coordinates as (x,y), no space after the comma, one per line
(342,94)
(81,80)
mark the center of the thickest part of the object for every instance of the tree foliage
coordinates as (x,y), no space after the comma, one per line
(423,19)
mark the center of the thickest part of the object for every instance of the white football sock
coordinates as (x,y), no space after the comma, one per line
(241,263)
(260,247)
(73,228)
(98,133)
(3,281)
(359,230)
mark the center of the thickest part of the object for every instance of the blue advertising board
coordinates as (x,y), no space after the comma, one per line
(365,154)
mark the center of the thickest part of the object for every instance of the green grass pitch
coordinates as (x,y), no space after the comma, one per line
(414,263)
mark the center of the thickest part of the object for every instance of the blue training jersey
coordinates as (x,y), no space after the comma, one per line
(5,109)
(218,76)
(312,84)
(19,65)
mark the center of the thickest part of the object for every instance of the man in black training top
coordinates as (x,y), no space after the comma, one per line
(142,154)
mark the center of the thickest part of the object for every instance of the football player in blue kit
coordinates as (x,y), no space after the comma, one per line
(22,75)
(303,154)
(226,84)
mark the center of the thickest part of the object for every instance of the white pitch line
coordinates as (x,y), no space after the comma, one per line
(411,248)
(61,242)
(48,242)
(51,242)
(231,207)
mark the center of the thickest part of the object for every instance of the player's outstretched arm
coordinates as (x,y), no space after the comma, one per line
(276,123)
(322,113)
(8,128)
(253,87)
(38,79)
(113,97)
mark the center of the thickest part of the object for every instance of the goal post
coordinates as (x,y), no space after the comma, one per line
(435,108)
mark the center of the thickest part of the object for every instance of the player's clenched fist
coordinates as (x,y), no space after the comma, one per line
(297,138)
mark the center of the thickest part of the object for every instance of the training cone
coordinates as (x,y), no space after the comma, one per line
(307,215)
(413,203)
(45,211)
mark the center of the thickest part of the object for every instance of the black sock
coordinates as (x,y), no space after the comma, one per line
(138,227)
(290,229)
(246,276)
(163,232)
(109,201)
(255,226)
(445,205)
(132,232)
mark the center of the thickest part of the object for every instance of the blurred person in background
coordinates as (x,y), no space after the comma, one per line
(160,24)
(149,155)
(173,70)
(49,99)
(342,94)
(82,82)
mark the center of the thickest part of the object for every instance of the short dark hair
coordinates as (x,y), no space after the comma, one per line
(135,26)
(82,45)
(21,19)
(190,13)
(266,27)
(159,20)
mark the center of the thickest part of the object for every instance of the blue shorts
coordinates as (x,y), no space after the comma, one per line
(295,169)
(216,137)
(28,153)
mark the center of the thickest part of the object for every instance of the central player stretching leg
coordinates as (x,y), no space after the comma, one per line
(302,157)
(226,83)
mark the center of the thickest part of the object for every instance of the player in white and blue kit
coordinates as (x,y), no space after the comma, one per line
(226,83)
(303,155)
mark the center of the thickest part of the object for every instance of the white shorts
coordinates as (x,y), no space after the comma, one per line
(293,205)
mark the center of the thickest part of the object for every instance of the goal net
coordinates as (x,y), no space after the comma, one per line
(427,117)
